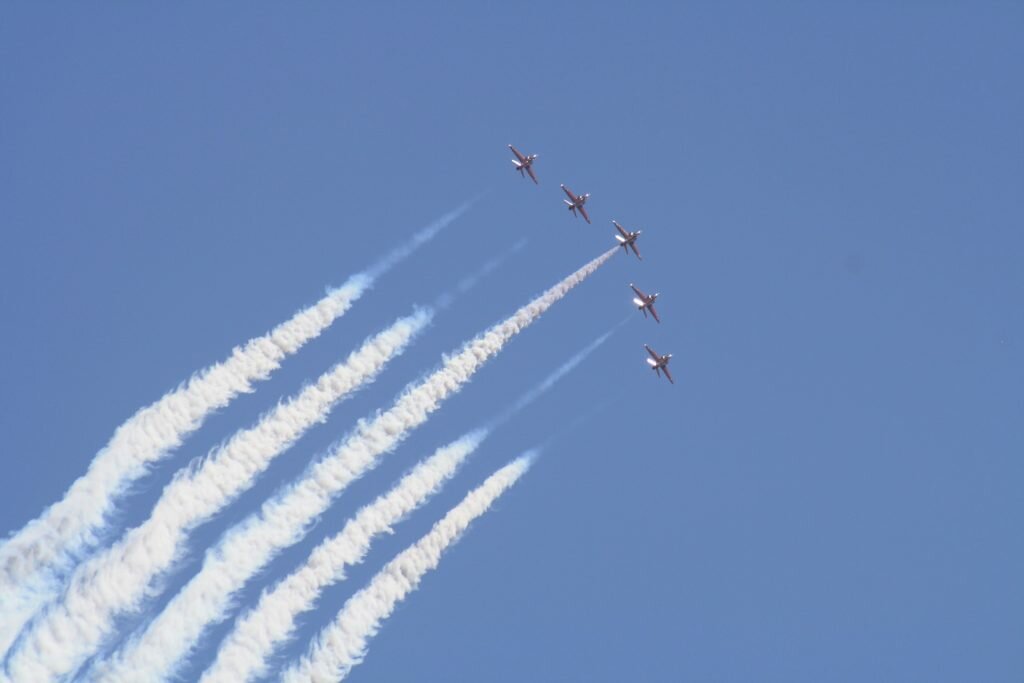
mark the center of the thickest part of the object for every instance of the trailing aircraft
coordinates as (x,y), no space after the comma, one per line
(645,302)
(628,239)
(523,163)
(659,363)
(576,202)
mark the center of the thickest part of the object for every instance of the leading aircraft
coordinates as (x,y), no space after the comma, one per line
(645,302)
(576,202)
(628,239)
(659,363)
(524,163)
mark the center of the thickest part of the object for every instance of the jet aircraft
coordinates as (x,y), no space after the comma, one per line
(524,163)
(659,363)
(628,239)
(645,302)
(576,202)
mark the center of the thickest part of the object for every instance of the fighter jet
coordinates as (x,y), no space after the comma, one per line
(523,163)
(628,239)
(576,202)
(659,363)
(645,302)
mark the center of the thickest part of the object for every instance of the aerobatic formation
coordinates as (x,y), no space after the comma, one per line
(83,597)
(626,239)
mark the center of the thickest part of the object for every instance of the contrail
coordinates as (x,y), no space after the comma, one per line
(399,254)
(33,560)
(116,580)
(470,281)
(74,523)
(342,644)
(243,654)
(283,519)
(572,425)
(140,657)
(552,379)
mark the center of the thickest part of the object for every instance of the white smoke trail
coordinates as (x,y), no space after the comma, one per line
(552,379)
(470,281)
(116,580)
(73,523)
(242,656)
(283,519)
(33,560)
(400,253)
(342,644)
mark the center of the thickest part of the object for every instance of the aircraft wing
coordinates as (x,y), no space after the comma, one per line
(638,292)
(635,251)
(667,374)
(621,230)
(572,197)
(654,313)
(584,212)
(529,169)
(651,351)
(519,156)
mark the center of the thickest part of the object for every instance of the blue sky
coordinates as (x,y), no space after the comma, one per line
(831,201)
